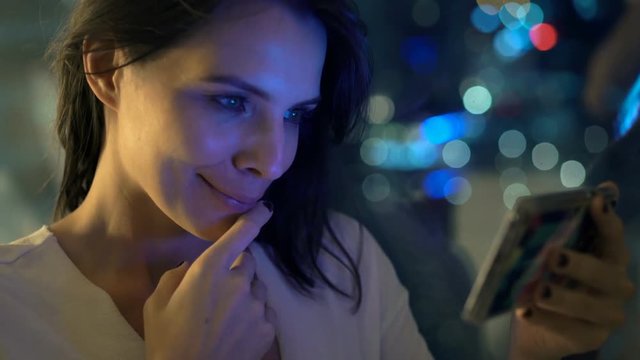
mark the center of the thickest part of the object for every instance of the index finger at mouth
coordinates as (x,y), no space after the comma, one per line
(237,239)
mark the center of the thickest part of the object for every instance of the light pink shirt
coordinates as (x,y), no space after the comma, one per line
(49,310)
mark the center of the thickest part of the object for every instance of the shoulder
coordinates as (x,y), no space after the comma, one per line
(360,244)
(13,251)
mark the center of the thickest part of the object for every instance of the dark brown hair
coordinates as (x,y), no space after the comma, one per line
(144,28)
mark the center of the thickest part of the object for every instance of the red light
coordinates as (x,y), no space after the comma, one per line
(544,36)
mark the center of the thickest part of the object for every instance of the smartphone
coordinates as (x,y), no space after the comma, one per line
(516,260)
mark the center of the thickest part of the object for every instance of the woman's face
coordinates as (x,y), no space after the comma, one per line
(218,113)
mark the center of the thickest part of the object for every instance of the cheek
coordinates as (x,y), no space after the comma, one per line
(290,145)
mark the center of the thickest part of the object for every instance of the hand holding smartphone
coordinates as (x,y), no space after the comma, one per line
(516,261)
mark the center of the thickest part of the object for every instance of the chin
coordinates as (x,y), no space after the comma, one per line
(212,230)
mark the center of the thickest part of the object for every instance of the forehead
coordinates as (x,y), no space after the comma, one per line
(263,41)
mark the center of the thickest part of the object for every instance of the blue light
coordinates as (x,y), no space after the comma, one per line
(443,128)
(534,16)
(510,17)
(435,183)
(630,110)
(420,53)
(587,9)
(512,43)
(484,22)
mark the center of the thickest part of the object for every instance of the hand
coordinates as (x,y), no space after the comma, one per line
(215,308)
(565,320)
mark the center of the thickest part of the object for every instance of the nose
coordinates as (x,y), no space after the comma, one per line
(262,150)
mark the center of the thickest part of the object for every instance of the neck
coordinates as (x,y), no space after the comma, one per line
(119,234)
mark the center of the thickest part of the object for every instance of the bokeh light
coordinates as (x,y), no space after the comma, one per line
(420,53)
(426,12)
(477,100)
(435,182)
(630,111)
(512,175)
(572,174)
(422,154)
(374,151)
(458,190)
(596,139)
(513,192)
(512,44)
(484,22)
(440,129)
(381,109)
(533,17)
(456,154)
(512,143)
(545,156)
(543,36)
(376,187)
(511,14)
(475,126)
(490,7)
(587,9)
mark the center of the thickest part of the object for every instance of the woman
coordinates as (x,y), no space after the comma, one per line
(195,133)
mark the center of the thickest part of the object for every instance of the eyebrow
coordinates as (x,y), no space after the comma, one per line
(241,84)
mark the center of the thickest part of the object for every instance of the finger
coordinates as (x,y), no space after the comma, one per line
(592,272)
(610,232)
(611,188)
(236,239)
(244,264)
(580,305)
(259,290)
(168,283)
(577,334)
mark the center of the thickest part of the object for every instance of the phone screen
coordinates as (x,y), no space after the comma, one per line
(525,266)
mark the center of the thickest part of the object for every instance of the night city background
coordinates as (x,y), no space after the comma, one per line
(475,103)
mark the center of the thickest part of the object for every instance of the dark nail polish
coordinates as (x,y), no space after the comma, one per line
(269,205)
(527,313)
(605,208)
(546,293)
(563,261)
(181,262)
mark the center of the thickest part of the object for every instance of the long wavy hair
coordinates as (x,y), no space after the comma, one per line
(144,28)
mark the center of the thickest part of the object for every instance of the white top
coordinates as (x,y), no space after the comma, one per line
(49,310)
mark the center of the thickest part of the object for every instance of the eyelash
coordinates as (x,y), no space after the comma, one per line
(219,100)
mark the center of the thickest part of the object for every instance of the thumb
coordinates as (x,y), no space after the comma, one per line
(169,282)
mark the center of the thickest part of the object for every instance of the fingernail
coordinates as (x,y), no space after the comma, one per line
(546,293)
(605,208)
(177,266)
(269,205)
(527,313)
(563,261)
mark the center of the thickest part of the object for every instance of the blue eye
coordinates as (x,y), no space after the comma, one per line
(232,103)
(297,116)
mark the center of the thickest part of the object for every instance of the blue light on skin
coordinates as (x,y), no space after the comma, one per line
(629,111)
(587,9)
(443,128)
(420,53)
(435,183)
(484,22)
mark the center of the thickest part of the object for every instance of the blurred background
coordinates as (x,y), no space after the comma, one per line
(475,103)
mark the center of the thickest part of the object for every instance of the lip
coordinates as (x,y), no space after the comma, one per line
(236,203)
